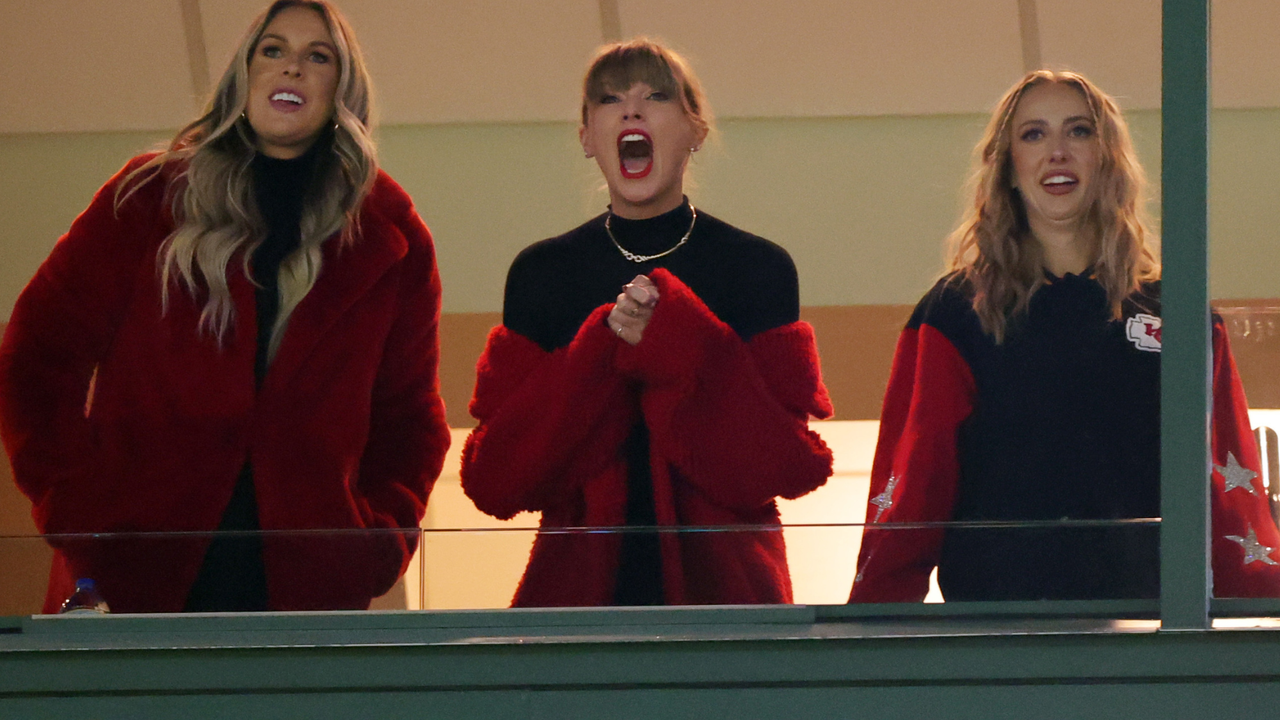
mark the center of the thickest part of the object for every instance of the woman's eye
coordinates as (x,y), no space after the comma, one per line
(271,51)
(608,99)
(319,57)
(659,96)
(1031,134)
(1082,131)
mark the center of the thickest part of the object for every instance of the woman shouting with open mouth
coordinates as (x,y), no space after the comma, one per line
(650,376)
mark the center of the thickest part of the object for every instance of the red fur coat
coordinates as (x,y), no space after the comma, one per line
(728,435)
(347,430)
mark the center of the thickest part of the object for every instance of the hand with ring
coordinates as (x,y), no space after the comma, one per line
(633,309)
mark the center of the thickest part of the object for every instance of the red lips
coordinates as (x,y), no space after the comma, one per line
(635,153)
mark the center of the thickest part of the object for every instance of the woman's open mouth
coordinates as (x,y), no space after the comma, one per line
(635,153)
(1059,183)
(287,101)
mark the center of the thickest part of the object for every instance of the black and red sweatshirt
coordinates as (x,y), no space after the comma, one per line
(1058,429)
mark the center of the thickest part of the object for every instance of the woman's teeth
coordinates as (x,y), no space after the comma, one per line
(287,97)
(635,153)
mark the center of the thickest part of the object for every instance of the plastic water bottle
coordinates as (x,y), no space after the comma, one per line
(86,600)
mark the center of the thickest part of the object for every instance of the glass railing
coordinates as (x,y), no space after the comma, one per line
(462,559)
(482,568)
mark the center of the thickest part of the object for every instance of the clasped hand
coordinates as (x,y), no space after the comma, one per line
(633,309)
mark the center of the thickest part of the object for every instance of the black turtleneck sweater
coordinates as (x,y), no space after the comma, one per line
(747,281)
(232,577)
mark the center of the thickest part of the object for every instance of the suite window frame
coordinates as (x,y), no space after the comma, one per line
(1185,602)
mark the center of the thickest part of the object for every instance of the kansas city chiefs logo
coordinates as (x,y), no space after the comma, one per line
(1144,332)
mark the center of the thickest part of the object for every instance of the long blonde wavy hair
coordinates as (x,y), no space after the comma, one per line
(992,248)
(213,196)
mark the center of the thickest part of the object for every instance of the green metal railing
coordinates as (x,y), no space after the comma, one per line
(1185,365)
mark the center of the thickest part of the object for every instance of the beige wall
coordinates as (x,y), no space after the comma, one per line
(861,203)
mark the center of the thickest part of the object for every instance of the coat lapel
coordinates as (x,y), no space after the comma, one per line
(347,274)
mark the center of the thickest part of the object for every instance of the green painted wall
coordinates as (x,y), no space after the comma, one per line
(861,203)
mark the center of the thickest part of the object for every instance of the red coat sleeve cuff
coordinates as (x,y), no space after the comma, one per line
(547,420)
(731,417)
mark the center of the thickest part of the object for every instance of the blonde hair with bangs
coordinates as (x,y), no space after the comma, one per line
(618,66)
(992,249)
(213,196)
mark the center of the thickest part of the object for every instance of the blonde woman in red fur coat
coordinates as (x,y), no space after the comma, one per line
(651,370)
(259,306)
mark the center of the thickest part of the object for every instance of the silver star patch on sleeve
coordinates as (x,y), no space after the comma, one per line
(884,500)
(1254,551)
(1236,475)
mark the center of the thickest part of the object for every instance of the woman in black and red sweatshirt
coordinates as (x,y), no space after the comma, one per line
(1026,386)
(651,370)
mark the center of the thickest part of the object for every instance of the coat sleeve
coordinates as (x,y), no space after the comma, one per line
(1245,538)
(408,434)
(548,420)
(916,467)
(732,417)
(61,326)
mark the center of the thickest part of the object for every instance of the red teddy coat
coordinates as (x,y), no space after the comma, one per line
(728,434)
(347,430)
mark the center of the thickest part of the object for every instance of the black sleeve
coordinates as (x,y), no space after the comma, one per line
(539,302)
(775,295)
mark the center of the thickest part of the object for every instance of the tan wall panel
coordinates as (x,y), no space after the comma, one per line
(1116,43)
(1246,56)
(462,339)
(93,65)
(762,58)
(225,23)
(856,344)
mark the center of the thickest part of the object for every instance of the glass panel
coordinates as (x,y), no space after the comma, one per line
(209,572)
(1244,183)
(1246,481)
(467,560)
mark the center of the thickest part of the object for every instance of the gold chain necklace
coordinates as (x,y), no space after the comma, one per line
(646,258)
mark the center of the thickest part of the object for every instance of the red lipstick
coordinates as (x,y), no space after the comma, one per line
(635,153)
